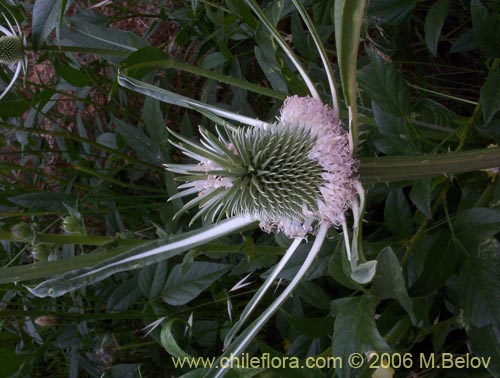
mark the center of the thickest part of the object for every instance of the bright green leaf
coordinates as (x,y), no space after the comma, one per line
(169,343)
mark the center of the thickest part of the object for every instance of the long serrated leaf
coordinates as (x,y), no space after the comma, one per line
(349,16)
(182,101)
(281,42)
(260,293)
(247,336)
(322,53)
(137,258)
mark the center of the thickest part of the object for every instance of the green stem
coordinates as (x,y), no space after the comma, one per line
(71,239)
(399,168)
(82,50)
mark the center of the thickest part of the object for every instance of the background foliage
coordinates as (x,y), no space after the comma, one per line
(82,179)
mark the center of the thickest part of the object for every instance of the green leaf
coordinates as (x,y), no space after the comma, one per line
(44,200)
(108,140)
(490,96)
(124,296)
(397,214)
(147,150)
(390,11)
(385,85)
(486,27)
(434,23)
(183,286)
(71,75)
(152,279)
(154,122)
(269,65)
(356,332)
(389,281)
(168,341)
(212,60)
(477,223)
(340,269)
(146,59)
(439,265)
(464,43)
(394,129)
(314,294)
(10,106)
(420,196)
(47,16)
(479,287)
(310,327)
(10,361)
(485,343)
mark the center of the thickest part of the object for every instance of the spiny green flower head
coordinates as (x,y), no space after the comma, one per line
(11,50)
(12,47)
(289,175)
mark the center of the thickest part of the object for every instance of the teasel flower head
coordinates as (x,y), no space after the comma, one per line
(12,48)
(290,175)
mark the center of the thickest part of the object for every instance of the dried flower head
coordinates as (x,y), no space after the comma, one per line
(288,175)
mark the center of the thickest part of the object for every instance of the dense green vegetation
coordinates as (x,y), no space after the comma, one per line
(83,187)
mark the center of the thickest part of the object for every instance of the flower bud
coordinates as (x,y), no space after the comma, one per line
(41,251)
(46,321)
(23,232)
(73,225)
